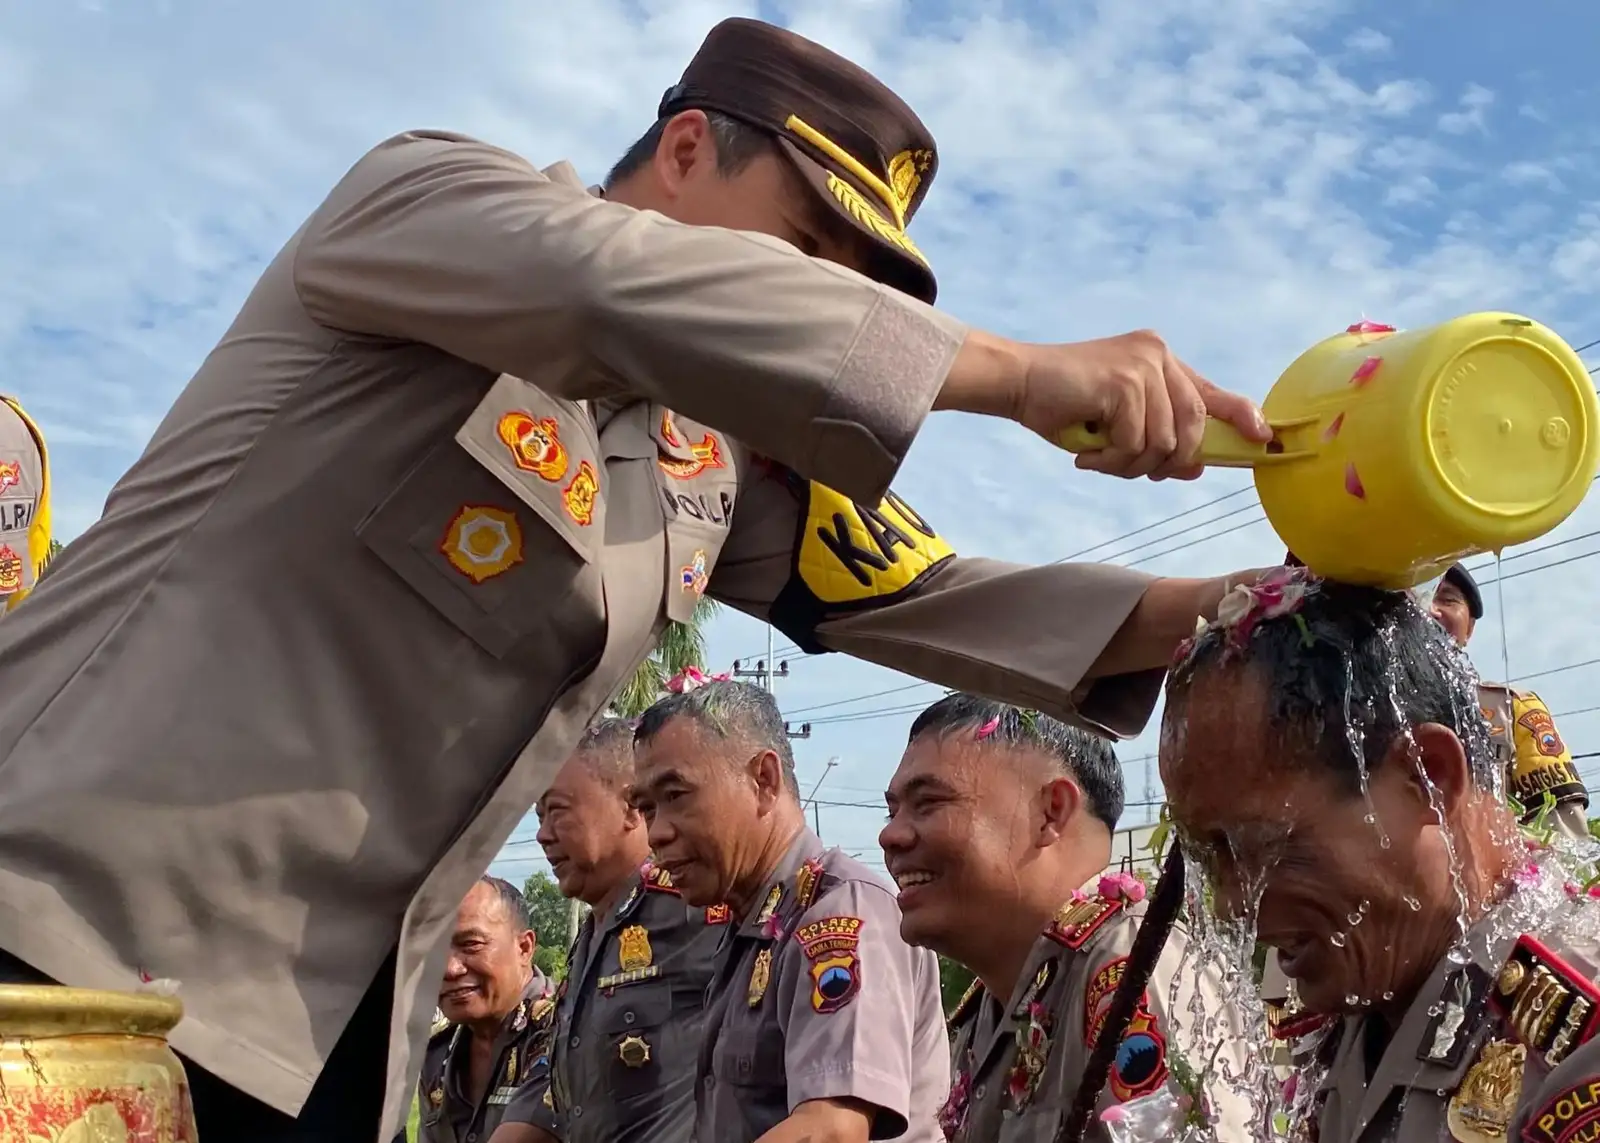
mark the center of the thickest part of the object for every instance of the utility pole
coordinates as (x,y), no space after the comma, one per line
(1149,791)
(816,810)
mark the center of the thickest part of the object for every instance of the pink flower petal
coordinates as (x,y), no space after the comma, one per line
(1365,370)
(1333,428)
(1108,888)
(1365,326)
(1352,483)
(988,728)
(1594,890)
(1113,1114)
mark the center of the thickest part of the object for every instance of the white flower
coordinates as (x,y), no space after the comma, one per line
(1235,606)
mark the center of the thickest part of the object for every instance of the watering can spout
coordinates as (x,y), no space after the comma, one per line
(1394,454)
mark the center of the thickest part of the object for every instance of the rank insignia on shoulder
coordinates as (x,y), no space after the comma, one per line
(770,905)
(1445,1039)
(1549,1006)
(440,1024)
(806,881)
(541,1008)
(658,879)
(966,1005)
(1079,920)
(718,914)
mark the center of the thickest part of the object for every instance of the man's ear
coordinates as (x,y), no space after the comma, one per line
(527,945)
(766,771)
(1059,801)
(686,146)
(1436,768)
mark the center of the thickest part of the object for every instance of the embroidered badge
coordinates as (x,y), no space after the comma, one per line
(760,977)
(481,542)
(10,475)
(535,444)
(578,498)
(10,570)
(1480,1110)
(1548,1005)
(669,431)
(1140,1066)
(831,946)
(806,881)
(541,1008)
(1538,723)
(658,879)
(707,455)
(1079,920)
(436,1095)
(718,914)
(633,949)
(634,1051)
(1572,1115)
(1097,996)
(693,574)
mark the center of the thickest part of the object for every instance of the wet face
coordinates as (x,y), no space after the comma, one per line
(589,831)
(710,803)
(1450,608)
(967,825)
(768,196)
(491,954)
(1355,892)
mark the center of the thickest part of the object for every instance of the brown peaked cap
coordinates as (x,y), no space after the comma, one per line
(860,148)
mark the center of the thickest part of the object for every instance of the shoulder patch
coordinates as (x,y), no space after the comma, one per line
(1549,1006)
(1562,1118)
(657,880)
(1078,921)
(831,945)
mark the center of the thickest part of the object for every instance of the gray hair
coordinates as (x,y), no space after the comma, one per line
(511,897)
(730,710)
(606,750)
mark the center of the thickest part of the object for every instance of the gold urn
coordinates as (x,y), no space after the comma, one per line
(78,1066)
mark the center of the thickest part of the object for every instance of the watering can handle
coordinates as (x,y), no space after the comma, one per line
(1222,446)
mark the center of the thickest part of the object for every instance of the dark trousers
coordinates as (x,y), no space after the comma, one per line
(344,1105)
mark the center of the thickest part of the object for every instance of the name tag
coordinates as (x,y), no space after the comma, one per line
(632,976)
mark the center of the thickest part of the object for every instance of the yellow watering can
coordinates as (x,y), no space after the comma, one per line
(1395,454)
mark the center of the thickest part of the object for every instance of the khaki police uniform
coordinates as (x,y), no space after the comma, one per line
(1537,763)
(628,1022)
(819,998)
(24,505)
(1018,1063)
(1499,1048)
(475,437)
(447,1111)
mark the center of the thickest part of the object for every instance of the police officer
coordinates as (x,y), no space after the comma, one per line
(496,1009)
(630,1011)
(821,1019)
(1458,972)
(475,437)
(24,505)
(1013,809)
(1538,765)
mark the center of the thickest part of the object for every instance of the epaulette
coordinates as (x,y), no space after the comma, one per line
(807,880)
(657,880)
(1286,1023)
(440,1024)
(1449,1033)
(540,1008)
(1547,1004)
(1079,920)
(718,914)
(965,1006)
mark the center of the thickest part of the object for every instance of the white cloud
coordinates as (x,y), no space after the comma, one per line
(1369,41)
(1207,170)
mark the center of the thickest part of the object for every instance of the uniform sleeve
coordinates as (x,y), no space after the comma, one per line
(880,584)
(1566,1104)
(531,1105)
(857,1009)
(1543,764)
(1200,1033)
(447,241)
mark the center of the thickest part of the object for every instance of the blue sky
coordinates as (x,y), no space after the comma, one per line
(1245,176)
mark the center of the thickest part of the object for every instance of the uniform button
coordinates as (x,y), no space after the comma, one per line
(627,1017)
(573,1043)
(472,1137)
(978,1091)
(577,1112)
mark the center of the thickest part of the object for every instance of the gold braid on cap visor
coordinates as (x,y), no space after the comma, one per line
(904,175)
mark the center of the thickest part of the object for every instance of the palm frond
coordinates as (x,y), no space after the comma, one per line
(682,645)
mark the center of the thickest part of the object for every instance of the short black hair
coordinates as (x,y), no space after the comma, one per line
(1086,758)
(738,145)
(1348,672)
(607,750)
(511,897)
(728,709)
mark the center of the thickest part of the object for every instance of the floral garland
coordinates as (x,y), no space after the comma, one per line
(1279,592)
(691,678)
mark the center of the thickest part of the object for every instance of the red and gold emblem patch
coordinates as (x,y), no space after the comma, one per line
(707,454)
(718,914)
(831,946)
(10,474)
(482,542)
(669,431)
(10,570)
(535,444)
(1538,723)
(578,498)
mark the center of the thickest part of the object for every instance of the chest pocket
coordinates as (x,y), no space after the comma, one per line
(749,1054)
(697,470)
(633,1023)
(501,528)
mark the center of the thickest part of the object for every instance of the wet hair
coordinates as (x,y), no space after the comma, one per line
(606,750)
(1086,758)
(511,897)
(1347,673)
(730,710)
(738,144)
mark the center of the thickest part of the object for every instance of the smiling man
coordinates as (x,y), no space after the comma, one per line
(822,1024)
(496,1008)
(1326,760)
(629,1014)
(1014,810)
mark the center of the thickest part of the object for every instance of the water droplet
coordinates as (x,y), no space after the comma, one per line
(1458,956)
(1337,940)
(1371,819)
(1384,842)
(1413,904)
(1352,1000)
(1366,1003)
(1435,1009)
(1364,907)
(1353,919)
(1388,996)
